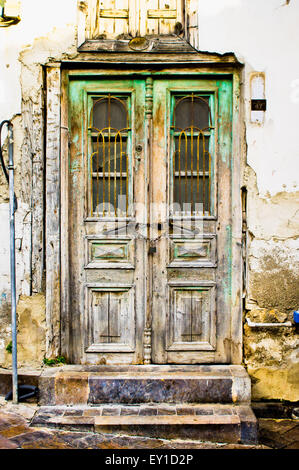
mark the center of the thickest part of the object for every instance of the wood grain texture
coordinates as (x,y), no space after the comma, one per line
(111,19)
(53,212)
(204,264)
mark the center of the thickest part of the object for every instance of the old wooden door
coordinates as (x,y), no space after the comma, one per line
(149,219)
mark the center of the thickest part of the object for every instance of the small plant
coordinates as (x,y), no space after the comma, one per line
(54,361)
(61,360)
(9,347)
(49,362)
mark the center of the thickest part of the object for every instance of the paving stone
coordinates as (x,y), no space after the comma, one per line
(204,411)
(43,415)
(11,418)
(75,418)
(87,441)
(73,423)
(277,425)
(71,388)
(136,443)
(71,438)
(292,434)
(4,425)
(41,419)
(32,436)
(184,410)
(223,411)
(167,410)
(274,442)
(293,445)
(13,431)
(46,394)
(129,410)
(110,411)
(272,433)
(6,443)
(53,442)
(26,411)
(244,446)
(148,411)
(73,413)
(52,410)
(93,412)
(277,434)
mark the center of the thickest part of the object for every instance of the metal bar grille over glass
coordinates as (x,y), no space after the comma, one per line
(109,163)
(192,161)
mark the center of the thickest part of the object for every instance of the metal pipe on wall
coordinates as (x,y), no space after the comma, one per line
(12,209)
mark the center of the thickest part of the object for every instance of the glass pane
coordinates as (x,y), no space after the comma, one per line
(192,148)
(192,111)
(190,194)
(115,196)
(113,152)
(110,112)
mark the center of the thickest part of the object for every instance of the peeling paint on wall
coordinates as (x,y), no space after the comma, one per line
(270,173)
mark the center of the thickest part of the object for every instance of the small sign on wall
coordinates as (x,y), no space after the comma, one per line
(258,100)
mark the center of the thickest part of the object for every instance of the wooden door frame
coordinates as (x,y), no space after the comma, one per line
(56,187)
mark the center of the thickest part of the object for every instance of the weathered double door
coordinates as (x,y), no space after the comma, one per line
(149,210)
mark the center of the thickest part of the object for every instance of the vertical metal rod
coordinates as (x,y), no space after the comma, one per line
(192,202)
(97,203)
(109,170)
(104,164)
(186,168)
(204,174)
(198,144)
(12,208)
(115,151)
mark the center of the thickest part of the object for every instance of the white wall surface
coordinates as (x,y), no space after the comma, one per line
(39,18)
(263,34)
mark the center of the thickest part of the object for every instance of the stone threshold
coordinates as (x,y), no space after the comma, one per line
(75,385)
(214,422)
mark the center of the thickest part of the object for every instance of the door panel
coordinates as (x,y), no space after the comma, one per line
(191,263)
(150,218)
(107,295)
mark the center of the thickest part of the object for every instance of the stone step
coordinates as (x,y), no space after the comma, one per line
(73,385)
(213,422)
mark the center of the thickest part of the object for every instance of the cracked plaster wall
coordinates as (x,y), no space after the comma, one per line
(264,37)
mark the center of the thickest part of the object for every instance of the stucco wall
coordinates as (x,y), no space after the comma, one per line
(264,36)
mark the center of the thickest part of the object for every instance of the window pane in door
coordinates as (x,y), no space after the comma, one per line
(111,112)
(192,160)
(109,156)
(192,111)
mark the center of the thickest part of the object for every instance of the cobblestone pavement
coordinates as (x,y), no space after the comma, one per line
(16,433)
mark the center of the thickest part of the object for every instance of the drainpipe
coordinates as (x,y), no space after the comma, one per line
(12,208)
(267,325)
